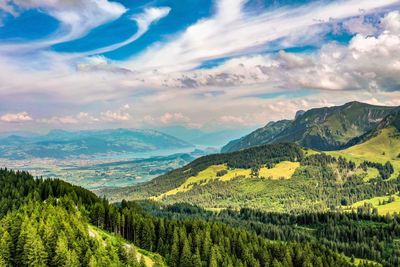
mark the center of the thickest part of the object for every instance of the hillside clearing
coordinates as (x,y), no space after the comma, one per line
(383,209)
(282,170)
(106,238)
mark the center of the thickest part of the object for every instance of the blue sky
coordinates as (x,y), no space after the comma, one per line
(210,64)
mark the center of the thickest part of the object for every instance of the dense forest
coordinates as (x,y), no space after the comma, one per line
(43,224)
(360,233)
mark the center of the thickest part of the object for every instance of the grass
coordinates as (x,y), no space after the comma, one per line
(381,148)
(310,152)
(202,177)
(358,261)
(107,238)
(382,209)
(283,170)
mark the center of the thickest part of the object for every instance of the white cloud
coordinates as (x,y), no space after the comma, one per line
(358,25)
(122,114)
(16,117)
(391,22)
(167,118)
(245,90)
(77,18)
(232,32)
(367,63)
(81,117)
(143,20)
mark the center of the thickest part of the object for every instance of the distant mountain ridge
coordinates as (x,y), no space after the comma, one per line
(63,144)
(327,128)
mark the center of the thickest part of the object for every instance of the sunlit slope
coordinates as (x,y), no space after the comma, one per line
(383,204)
(281,177)
(383,147)
(282,170)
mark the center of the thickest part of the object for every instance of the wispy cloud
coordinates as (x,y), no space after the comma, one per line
(77,18)
(143,20)
(232,32)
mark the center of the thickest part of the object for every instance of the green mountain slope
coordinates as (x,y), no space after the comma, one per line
(328,128)
(381,144)
(260,136)
(281,177)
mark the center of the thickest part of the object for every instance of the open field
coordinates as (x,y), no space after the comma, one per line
(282,170)
(383,209)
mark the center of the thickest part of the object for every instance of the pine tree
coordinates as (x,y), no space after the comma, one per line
(196,260)
(213,257)
(185,259)
(61,252)
(71,259)
(5,248)
(34,253)
(3,263)
(174,256)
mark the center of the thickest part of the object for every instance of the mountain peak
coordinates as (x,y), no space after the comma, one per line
(326,128)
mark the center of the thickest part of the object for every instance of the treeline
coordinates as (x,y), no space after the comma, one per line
(323,160)
(360,233)
(189,242)
(16,188)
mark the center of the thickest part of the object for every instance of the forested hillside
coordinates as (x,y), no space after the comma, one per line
(252,158)
(45,223)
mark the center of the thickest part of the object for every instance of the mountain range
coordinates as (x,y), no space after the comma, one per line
(64,144)
(327,128)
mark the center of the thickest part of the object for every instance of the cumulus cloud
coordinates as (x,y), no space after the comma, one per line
(368,62)
(81,117)
(122,114)
(167,118)
(16,117)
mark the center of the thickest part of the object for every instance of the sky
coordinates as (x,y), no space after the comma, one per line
(201,64)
